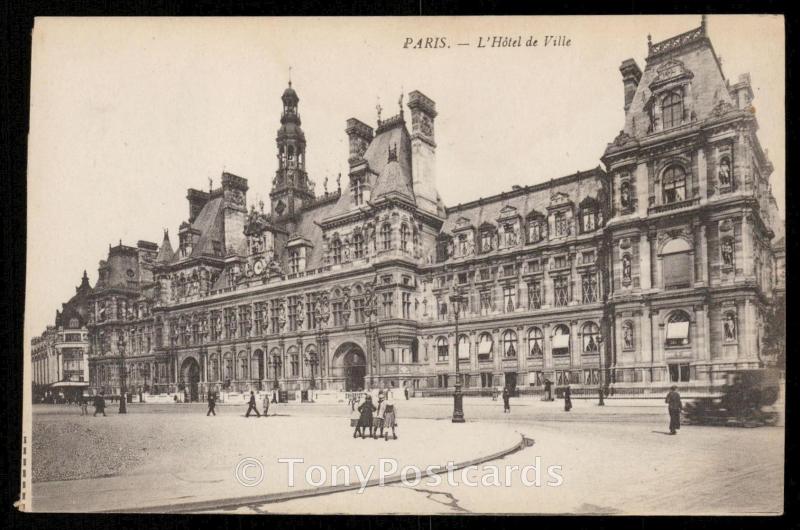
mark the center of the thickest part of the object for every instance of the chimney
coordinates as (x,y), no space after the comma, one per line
(423,151)
(360,135)
(631,74)
(197,199)
(234,193)
(742,92)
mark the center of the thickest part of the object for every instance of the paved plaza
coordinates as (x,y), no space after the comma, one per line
(615,459)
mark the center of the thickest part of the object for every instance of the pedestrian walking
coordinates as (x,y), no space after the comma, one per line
(251,406)
(389,419)
(84,405)
(567,399)
(266,404)
(99,404)
(405,391)
(600,393)
(506,397)
(673,401)
(365,419)
(212,404)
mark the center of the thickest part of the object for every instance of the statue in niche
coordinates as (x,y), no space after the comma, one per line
(729,326)
(724,172)
(625,195)
(626,267)
(627,336)
(727,252)
(281,315)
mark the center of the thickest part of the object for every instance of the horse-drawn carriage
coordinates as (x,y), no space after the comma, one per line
(746,400)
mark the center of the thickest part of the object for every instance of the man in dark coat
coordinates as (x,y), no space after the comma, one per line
(405,391)
(506,396)
(567,399)
(99,404)
(674,406)
(365,420)
(251,406)
(548,390)
(212,403)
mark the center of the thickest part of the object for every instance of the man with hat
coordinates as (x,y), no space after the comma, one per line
(365,419)
(674,406)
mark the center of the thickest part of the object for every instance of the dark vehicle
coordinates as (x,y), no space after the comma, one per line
(746,401)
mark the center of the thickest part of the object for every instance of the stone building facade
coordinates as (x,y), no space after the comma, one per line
(653,269)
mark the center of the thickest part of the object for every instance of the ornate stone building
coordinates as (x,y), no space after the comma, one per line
(653,270)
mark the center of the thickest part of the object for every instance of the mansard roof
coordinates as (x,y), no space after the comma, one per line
(526,199)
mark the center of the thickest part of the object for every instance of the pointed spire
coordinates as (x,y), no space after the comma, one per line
(379,109)
(165,253)
(290,75)
(703,22)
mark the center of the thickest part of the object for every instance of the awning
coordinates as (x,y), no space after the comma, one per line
(463,349)
(73,384)
(484,347)
(678,330)
(560,341)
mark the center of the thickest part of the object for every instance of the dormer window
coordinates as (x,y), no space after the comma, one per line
(358,191)
(674,184)
(294,261)
(588,219)
(534,231)
(562,224)
(672,110)
(625,195)
(487,240)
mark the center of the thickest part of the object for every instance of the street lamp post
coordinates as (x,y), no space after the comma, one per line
(602,369)
(456,299)
(370,311)
(123,406)
(312,360)
(276,365)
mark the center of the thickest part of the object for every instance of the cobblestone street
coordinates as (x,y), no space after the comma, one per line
(613,460)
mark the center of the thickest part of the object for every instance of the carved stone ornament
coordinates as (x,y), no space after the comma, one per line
(625,243)
(726,225)
(622,138)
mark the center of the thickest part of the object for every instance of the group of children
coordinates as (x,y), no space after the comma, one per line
(380,417)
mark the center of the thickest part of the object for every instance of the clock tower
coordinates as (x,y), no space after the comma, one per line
(290,188)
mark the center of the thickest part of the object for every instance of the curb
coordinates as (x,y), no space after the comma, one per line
(237,502)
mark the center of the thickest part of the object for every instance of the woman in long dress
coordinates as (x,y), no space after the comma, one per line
(389,419)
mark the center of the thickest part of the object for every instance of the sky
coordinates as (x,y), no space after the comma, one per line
(128,113)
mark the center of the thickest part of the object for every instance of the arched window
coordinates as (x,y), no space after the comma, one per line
(404,237)
(561,340)
(591,336)
(442,350)
(674,184)
(242,366)
(336,251)
(463,347)
(213,368)
(509,343)
(386,236)
(534,231)
(729,327)
(678,329)
(588,219)
(291,153)
(485,346)
(227,367)
(535,342)
(358,246)
(672,110)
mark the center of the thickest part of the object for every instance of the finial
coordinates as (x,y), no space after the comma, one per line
(210,184)
(339,182)
(400,101)
(649,41)
(379,109)
(290,76)
(703,21)
(325,185)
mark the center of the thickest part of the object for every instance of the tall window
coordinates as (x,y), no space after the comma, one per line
(358,246)
(294,261)
(591,334)
(387,305)
(534,231)
(463,347)
(311,312)
(588,218)
(406,302)
(486,302)
(485,344)
(679,373)
(292,313)
(336,309)
(562,224)
(404,237)
(589,288)
(509,299)
(561,290)
(674,184)
(535,294)
(336,251)
(358,192)
(561,340)
(672,110)
(487,240)
(294,362)
(274,317)
(509,343)
(386,236)
(536,342)
(442,350)
(677,329)
(676,264)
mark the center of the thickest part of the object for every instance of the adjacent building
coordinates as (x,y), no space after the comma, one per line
(653,269)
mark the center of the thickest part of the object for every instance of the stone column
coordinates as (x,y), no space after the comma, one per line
(642,189)
(747,258)
(704,254)
(702,174)
(703,334)
(547,361)
(547,287)
(645,349)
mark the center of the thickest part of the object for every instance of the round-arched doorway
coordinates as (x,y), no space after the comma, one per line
(190,376)
(350,366)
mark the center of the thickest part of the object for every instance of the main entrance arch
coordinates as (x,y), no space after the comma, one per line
(190,377)
(350,366)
